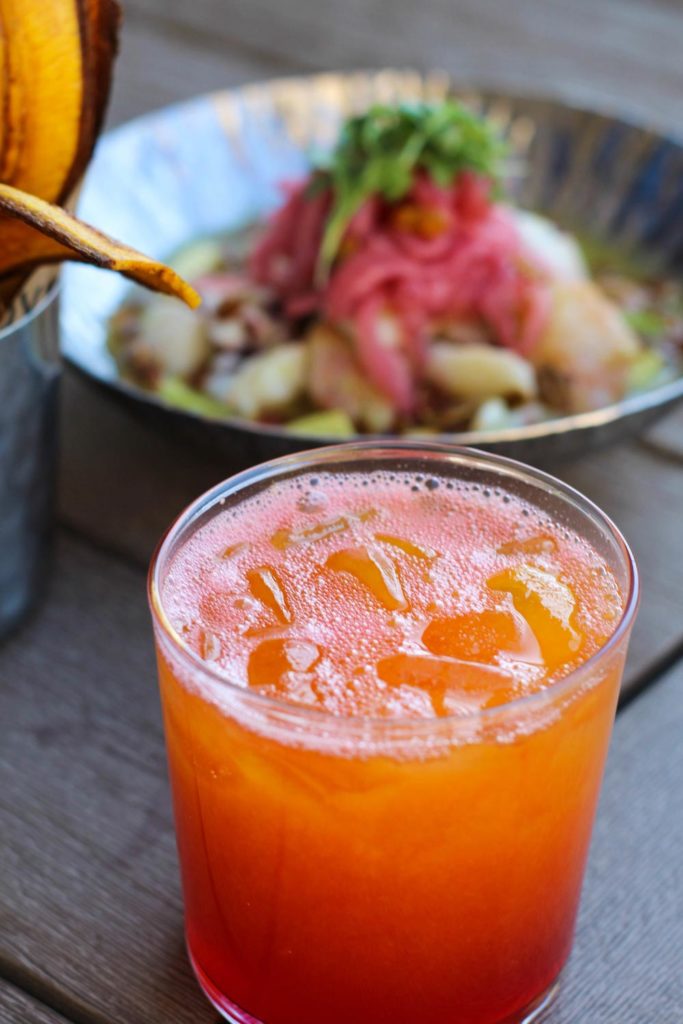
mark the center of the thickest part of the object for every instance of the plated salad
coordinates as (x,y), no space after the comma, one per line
(397,289)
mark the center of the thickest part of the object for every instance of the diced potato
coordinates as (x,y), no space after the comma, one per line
(493,414)
(496,414)
(479,371)
(586,350)
(337,382)
(331,423)
(558,252)
(268,382)
(173,335)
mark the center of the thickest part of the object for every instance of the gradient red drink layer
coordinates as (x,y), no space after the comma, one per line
(330,876)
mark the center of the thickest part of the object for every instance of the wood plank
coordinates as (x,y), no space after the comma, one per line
(622,55)
(666,437)
(92,909)
(16,1007)
(643,493)
(627,965)
(102,442)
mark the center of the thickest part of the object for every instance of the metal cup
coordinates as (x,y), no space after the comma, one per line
(29,377)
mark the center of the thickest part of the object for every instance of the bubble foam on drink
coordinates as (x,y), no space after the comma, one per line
(389,595)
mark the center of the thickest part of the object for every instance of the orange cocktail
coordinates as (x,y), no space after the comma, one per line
(388,678)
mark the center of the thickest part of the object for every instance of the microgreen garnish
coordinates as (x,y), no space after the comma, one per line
(379,152)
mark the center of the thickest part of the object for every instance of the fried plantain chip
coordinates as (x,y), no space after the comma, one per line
(52,234)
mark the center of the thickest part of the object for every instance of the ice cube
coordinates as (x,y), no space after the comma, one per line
(539,544)
(449,682)
(272,659)
(374,570)
(267,586)
(424,553)
(549,606)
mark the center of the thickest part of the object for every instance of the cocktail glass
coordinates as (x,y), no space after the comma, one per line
(386,871)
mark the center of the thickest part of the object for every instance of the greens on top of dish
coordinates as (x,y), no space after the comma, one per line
(396,289)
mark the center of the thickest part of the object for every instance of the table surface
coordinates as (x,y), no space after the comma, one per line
(90,911)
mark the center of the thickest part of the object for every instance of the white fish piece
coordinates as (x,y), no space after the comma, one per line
(557,251)
(586,349)
(479,372)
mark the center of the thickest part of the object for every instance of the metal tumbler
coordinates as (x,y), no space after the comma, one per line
(29,378)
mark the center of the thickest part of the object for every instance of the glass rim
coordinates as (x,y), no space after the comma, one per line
(314,459)
(27,318)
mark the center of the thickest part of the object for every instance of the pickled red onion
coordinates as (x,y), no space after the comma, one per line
(394,283)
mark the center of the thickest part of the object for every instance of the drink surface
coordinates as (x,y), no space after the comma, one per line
(389,595)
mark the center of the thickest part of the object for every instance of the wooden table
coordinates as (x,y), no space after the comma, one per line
(90,925)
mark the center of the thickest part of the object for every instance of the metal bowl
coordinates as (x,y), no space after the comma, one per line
(214,164)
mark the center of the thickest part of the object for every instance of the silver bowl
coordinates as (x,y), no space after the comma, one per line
(214,164)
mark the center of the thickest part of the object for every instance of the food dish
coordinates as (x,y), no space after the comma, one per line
(396,290)
(284,121)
